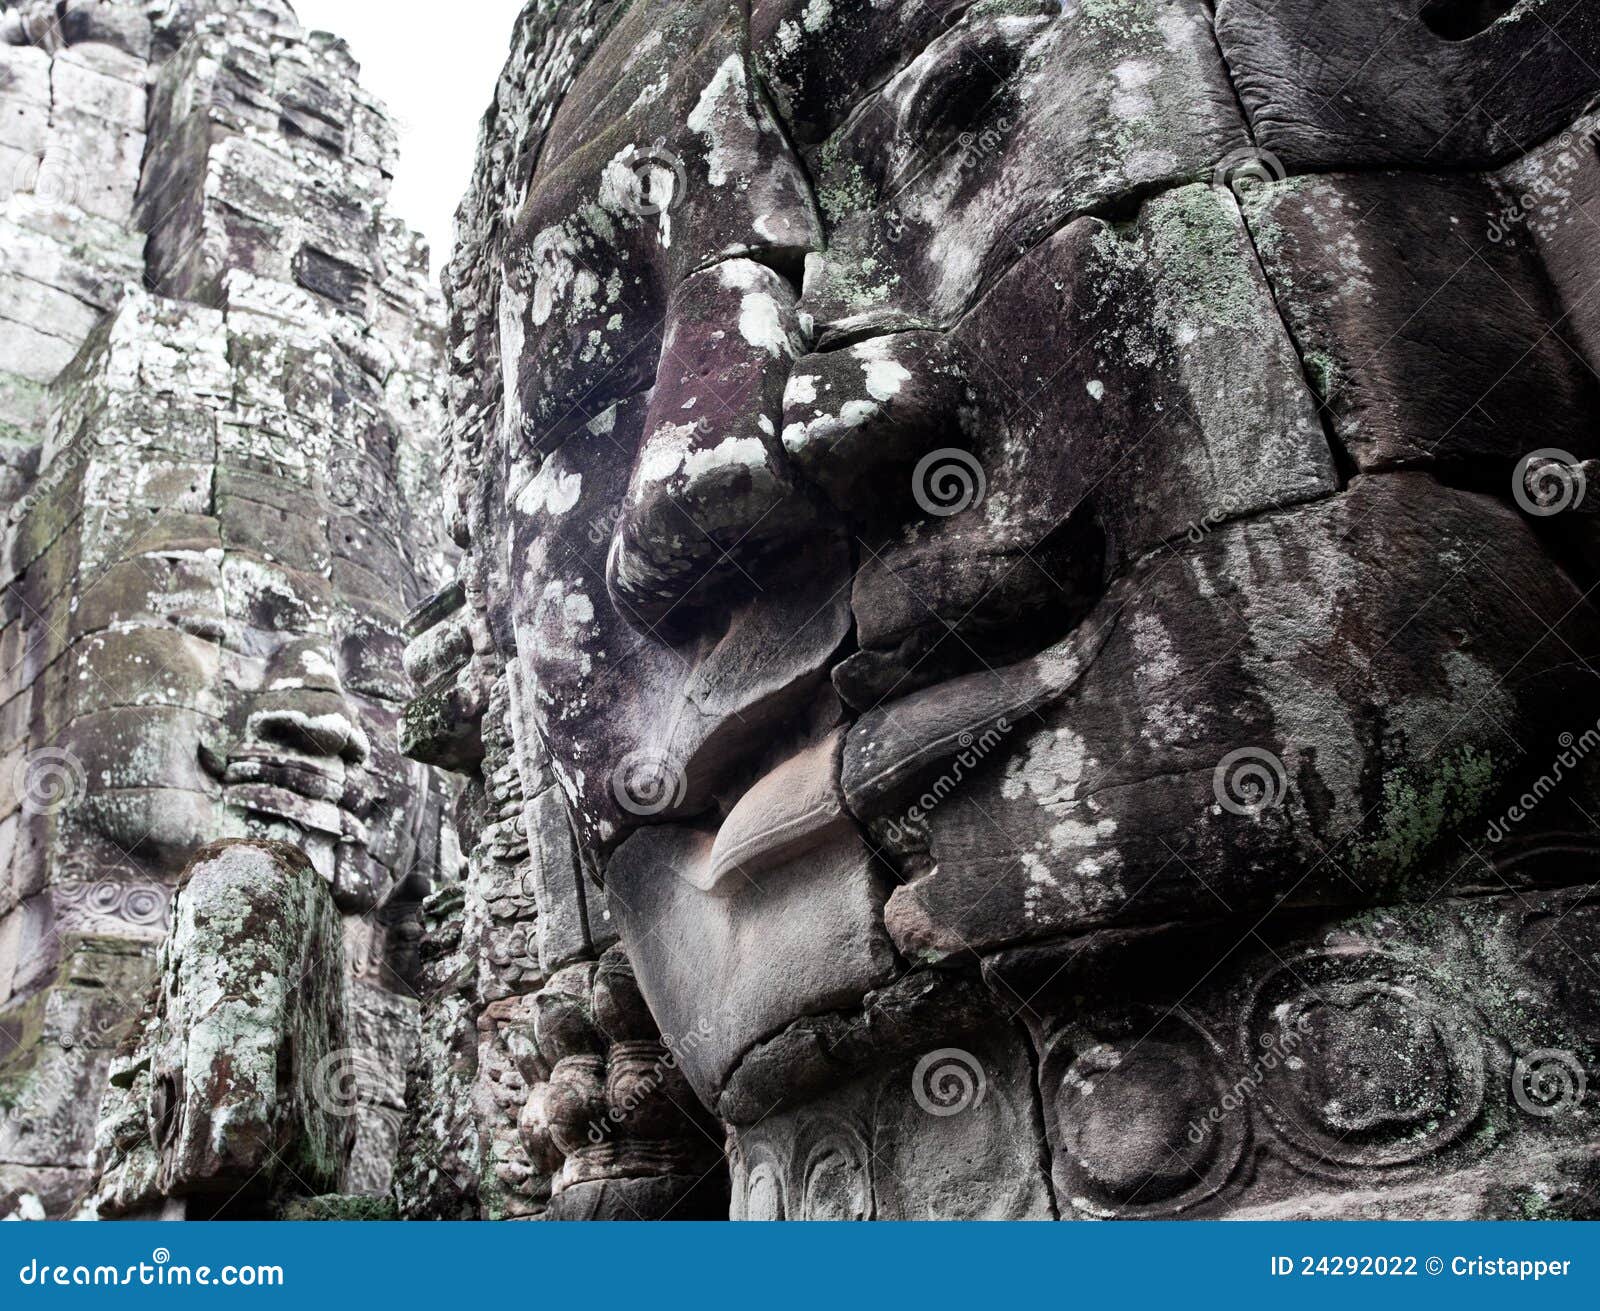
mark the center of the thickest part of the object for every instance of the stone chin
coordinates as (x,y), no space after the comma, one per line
(1196,667)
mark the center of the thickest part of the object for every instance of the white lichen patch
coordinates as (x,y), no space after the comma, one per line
(721,103)
(1051,771)
(762,325)
(885,378)
(551,491)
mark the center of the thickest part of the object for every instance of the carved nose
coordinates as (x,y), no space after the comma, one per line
(712,488)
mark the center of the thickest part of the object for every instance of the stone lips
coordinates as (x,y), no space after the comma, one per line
(832,386)
(1228,503)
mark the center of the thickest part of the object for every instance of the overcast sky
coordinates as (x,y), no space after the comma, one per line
(435,66)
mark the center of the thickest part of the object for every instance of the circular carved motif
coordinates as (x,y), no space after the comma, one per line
(758,1192)
(834,1182)
(1144,1123)
(1358,1064)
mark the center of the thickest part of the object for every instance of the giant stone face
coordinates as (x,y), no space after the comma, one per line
(1012,527)
(213,646)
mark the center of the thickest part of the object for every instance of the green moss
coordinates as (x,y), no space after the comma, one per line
(1193,239)
(1125,18)
(340,1206)
(846,190)
(1014,9)
(1420,808)
(1323,371)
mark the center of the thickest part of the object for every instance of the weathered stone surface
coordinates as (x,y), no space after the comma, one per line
(1107,805)
(218,514)
(1432,85)
(245,1060)
(1014,628)
(742,959)
(1178,542)
(1375,273)
(1003,128)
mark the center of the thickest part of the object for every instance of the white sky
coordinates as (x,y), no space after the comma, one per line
(435,66)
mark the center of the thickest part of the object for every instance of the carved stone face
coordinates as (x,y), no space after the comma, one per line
(957,498)
(213,649)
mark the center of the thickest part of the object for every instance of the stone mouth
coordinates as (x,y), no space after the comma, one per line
(316,794)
